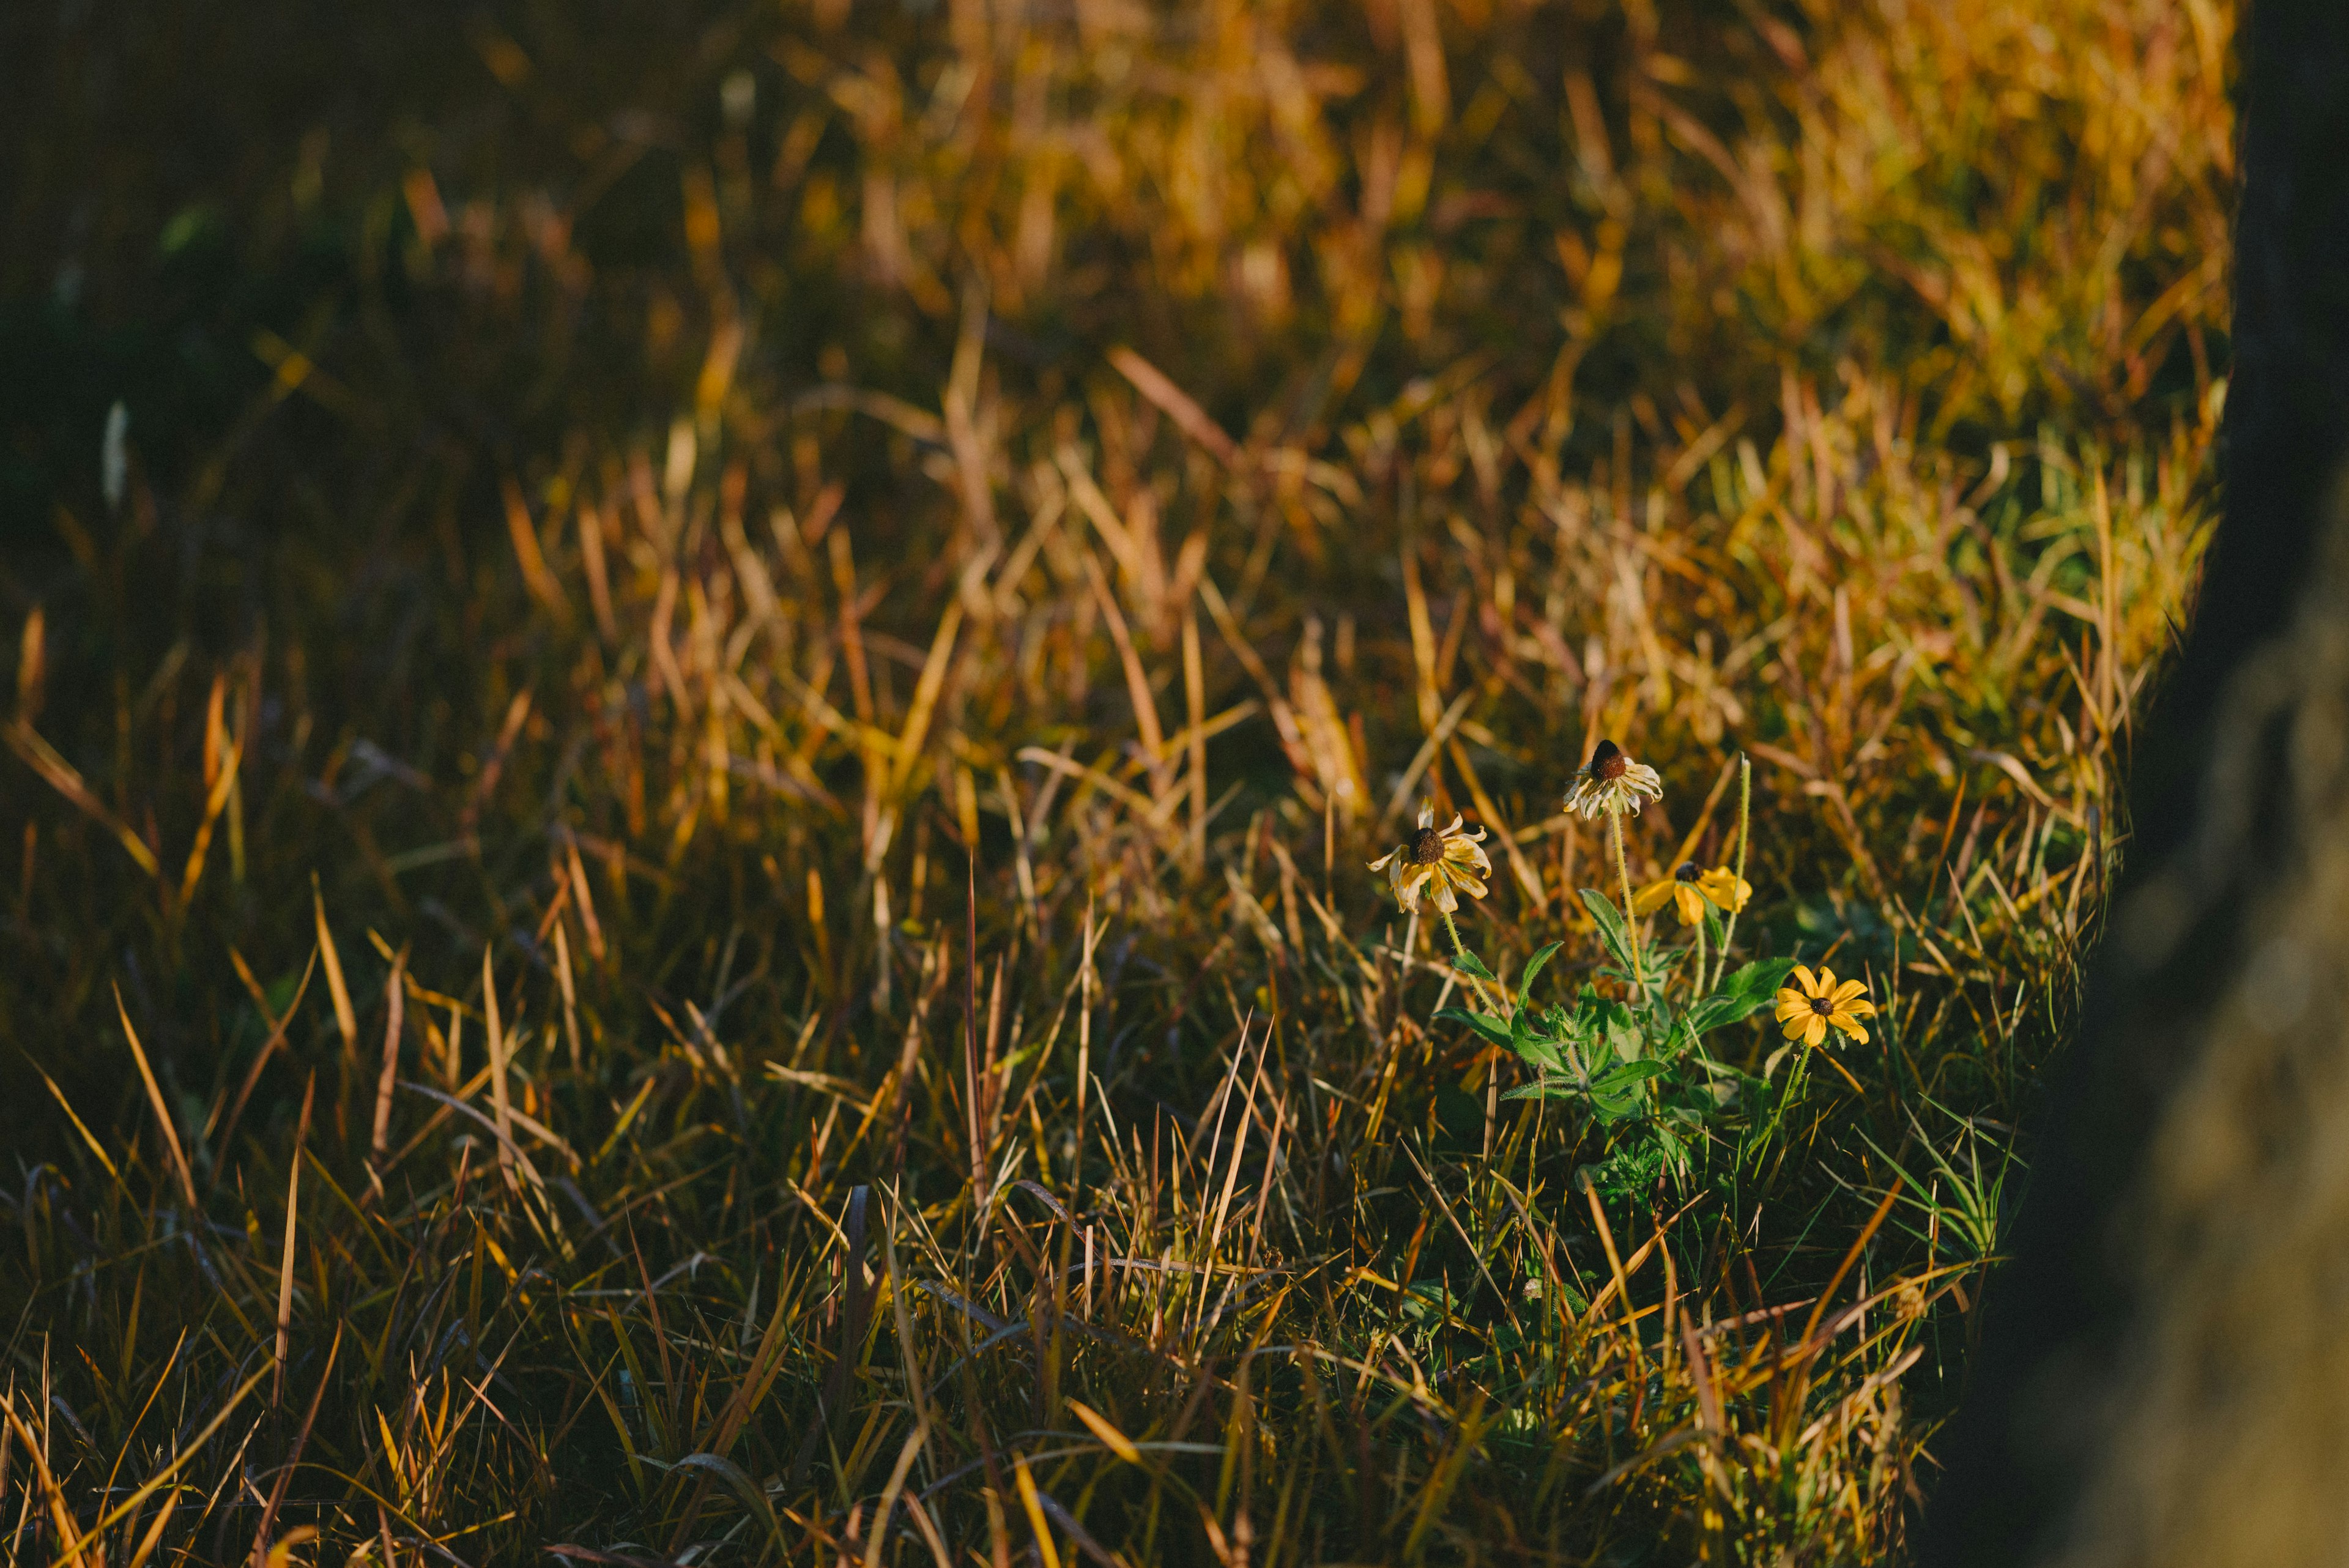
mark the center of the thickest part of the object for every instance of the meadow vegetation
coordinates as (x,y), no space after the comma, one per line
(693,781)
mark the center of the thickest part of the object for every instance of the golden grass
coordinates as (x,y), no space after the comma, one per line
(842,618)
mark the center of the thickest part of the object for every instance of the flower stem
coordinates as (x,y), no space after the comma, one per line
(1745,815)
(1697,989)
(1460,948)
(1624,870)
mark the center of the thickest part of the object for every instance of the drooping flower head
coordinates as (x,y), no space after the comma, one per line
(1611,784)
(1691,888)
(1444,863)
(1813,1002)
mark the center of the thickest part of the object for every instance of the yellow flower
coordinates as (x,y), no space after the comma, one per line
(1691,888)
(1442,862)
(1819,1002)
(1611,784)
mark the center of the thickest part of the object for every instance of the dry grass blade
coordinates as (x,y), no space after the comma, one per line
(1154,383)
(65,779)
(502,1106)
(164,1121)
(293,1231)
(216,799)
(395,997)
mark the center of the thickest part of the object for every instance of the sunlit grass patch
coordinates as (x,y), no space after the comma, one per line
(731,812)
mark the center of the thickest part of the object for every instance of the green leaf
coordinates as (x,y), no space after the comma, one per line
(1556,1084)
(1630,1073)
(1534,967)
(1611,928)
(1469,963)
(1741,995)
(1540,1053)
(1489,1028)
(1624,1037)
(1761,978)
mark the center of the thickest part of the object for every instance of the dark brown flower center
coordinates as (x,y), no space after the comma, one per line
(1689,872)
(1607,763)
(1824,1006)
(1426,848)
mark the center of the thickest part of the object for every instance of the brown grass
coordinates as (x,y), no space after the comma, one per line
(836,663)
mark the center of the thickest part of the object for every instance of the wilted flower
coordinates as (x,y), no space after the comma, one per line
(1691,888)
(1610,784)
(1814,1002)
(1442,862)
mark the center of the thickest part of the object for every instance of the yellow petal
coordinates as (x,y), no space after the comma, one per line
(1815,1030)
(1471,885)
(1851,1026)
(1792,1004)
(1690,903)
(1648,899)
(1848,989)
(1826,981)
(1380,863)
(1858,1007)
(1462,851)
(1795,1023)
(1440,889)
(1807,981)
(1716,885)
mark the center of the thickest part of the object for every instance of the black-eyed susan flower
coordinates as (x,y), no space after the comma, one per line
(1815,1001)
(1442,862)
(1691,888)
(1611,784)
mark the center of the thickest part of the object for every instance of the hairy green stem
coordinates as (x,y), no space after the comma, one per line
(1458,948)
(1738,876)
(1631,925)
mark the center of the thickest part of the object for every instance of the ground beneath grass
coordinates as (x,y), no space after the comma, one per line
(702,694)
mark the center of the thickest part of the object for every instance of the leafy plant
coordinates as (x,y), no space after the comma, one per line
(1634,1057)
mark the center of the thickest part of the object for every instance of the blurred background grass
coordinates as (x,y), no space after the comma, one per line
(640,492)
